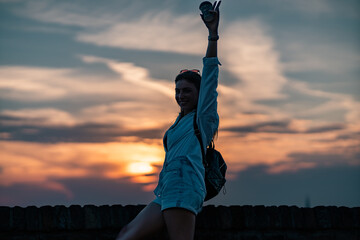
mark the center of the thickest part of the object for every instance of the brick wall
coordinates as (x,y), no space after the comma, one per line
(235,222)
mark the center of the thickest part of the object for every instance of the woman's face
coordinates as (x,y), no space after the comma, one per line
(186,95)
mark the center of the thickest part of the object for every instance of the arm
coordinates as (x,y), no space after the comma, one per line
(211,49)
(213,32)
(207,116)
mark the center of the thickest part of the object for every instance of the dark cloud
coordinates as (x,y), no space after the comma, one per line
(326,128)
(273,126)
(96,169)
(88,132)
(30,195)
(9,118)
(343,136)
(354,135)
(280,127)
(97,191)
(324,159)
(335,185)
(107,191)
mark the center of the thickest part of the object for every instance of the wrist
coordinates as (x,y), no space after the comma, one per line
(213,33)
(213,37)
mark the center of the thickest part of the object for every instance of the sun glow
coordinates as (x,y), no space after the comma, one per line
(140,168)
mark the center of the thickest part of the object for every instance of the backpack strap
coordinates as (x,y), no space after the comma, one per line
(198,135)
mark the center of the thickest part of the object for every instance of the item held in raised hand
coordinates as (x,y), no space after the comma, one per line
(205,8)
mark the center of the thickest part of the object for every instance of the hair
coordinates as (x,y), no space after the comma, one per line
(191,77)
(194,78)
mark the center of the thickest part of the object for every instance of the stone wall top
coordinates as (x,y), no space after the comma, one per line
(90,217)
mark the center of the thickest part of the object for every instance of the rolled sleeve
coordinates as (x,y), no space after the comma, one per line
(211,61)
(207,116)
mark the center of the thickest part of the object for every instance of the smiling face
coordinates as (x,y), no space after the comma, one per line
(186,95)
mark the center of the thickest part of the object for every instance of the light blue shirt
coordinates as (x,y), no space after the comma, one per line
(181,141)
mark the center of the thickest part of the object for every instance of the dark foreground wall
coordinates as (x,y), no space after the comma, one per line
(234,222)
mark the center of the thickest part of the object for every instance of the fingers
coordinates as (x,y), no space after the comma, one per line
(214,11)
(217,8)
(214,5)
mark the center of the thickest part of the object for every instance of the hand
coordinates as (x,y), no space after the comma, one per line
(214,24)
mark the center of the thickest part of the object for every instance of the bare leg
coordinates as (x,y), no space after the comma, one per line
(149,221)
(180,223)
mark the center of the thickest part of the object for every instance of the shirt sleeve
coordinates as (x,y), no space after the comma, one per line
(207,116)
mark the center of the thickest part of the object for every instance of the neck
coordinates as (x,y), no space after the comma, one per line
(184,113)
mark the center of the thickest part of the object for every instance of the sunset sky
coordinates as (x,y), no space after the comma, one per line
(87,92)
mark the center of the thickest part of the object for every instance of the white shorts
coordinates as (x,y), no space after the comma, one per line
(181,187)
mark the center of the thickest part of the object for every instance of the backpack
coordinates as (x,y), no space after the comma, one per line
(215,166)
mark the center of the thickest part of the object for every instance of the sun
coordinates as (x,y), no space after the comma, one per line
(140,168)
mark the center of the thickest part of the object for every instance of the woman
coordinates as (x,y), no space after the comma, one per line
(181,189)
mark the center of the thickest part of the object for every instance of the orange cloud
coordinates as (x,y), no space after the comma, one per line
(39,163)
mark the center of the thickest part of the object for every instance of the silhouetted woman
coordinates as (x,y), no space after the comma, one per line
(181,189)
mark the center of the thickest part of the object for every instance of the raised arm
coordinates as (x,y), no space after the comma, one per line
(213,31)
(207,116)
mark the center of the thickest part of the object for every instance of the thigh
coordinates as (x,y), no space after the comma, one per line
(148,222)
(180,223)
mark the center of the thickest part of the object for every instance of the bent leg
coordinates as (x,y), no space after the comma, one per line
(180,223)
(149,221)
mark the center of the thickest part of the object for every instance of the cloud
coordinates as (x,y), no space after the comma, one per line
(250,56)
(300,160)
(309,56)
(129,72)
(31,195)
(352,135)
(253,186)
(248,51)
(126,27)
(10,1)
(306,6)
(41,163)
(334,185)
(335,101)
(275,127)
(318,8)
(84,191)
(31,83)
(36,117)
(286,127)
(98,133)
(328,128)
(147,114)
(39,84)
(167,33)
(65,173)
(64,13)
(134,95)
(273,143)
(328,159)
(269,112)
